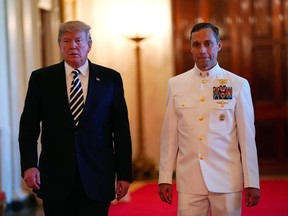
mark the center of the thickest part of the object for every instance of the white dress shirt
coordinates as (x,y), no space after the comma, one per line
(83,76)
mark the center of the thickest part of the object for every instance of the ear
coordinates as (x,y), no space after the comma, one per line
(89,47)
(219,45)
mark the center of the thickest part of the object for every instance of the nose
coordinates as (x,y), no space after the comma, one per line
(73,44)
(202,49)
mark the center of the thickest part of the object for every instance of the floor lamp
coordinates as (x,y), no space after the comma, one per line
(143,167)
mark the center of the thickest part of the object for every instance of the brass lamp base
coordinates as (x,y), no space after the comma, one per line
(143,168)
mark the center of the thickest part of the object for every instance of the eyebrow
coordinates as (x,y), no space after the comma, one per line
(205,41)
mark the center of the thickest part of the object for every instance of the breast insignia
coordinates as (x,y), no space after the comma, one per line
(221,117)
(222,81)
(222,103)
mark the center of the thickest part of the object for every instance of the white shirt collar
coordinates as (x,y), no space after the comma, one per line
(83,69)
(210,72)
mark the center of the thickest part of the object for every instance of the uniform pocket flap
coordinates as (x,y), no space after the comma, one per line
(182,103)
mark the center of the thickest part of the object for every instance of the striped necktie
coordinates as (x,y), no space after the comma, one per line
(76,97)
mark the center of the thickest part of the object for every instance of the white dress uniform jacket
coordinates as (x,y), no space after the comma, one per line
(209,132)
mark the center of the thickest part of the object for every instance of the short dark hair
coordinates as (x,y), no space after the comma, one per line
(204,25)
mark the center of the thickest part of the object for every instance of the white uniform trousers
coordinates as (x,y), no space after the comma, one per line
(215,204)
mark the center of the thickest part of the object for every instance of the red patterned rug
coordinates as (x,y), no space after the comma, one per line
(144,201)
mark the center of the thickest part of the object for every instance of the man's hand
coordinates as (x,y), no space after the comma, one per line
(252,196)
(32,178)
(165,192)
(122,189)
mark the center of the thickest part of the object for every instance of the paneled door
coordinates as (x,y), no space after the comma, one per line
(254,35)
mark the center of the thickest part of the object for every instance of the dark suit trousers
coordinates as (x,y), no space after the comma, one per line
(78,204)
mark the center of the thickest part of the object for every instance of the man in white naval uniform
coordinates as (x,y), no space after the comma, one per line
(209,132)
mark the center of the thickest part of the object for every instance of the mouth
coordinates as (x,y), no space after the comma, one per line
(204,59)
(73,54)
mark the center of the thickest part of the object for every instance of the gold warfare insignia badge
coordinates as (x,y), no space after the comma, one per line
(222,103)
(222,81)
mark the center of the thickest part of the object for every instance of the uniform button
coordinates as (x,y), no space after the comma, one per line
(202,99)
(201,118)
(200,138)
(201,157)
(204,81)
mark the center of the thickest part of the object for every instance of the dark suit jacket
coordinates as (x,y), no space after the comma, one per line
(100,146)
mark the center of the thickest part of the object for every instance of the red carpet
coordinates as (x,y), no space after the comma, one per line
(145,202)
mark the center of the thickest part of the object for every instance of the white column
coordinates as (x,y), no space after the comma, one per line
(20,54)
(15,74)
(5,127)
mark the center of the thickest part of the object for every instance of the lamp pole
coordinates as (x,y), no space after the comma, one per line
(143,167)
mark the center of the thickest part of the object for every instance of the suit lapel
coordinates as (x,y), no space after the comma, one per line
(92,90)
(61,85)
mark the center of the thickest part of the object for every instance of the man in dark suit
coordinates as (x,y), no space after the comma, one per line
(82,155)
